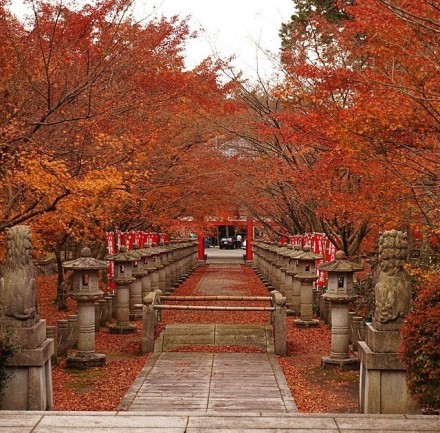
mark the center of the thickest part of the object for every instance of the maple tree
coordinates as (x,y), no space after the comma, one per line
(421,342)
(100,122)
(347,142)
(102,126)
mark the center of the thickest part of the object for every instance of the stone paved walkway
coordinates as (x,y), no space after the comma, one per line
(210,383)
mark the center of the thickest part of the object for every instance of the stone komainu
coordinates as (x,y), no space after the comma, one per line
(392,288)
(17,287)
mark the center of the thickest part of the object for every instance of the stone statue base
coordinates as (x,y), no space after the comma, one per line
(306,323)
(122,329)
(383,388)
(84,362)
(30,384)
(341,364)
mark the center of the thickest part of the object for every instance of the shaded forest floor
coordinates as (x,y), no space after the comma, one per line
(315,390)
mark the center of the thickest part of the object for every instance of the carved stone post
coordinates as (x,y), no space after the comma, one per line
(149,320)
(279,323)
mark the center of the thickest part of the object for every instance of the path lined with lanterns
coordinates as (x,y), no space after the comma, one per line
(275,264)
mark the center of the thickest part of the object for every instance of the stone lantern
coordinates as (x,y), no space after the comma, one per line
(123,277)
(340,293)
(165,271)
(159,262)
(151,263)
(135,288)
(85,289)
(305,264)
(293,286)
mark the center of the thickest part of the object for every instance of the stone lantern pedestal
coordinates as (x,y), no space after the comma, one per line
(85,290)
(123,278)
(340,293)
(307,276)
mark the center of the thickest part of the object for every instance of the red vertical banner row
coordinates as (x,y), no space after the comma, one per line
(110,238)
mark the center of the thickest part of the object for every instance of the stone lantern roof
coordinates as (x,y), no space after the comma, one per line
(86,261)
(307,254)
(137,252)
(295,252)
(340,264)
(147,250)
(123,256)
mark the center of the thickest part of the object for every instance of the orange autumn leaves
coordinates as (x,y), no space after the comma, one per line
(101,125)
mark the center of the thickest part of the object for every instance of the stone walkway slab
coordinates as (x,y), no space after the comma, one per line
(164,422)
(210,383)
(180,335)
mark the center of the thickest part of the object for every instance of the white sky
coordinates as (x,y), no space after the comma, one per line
(241,28)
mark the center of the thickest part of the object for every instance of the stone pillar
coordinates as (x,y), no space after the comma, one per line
(113,296)
(279,323)
(97,308)
(351,314)
(383,388)
(72,331)
(293,285)
(135,298)
(122,325)
(356,332)
(30,384)
(123,278)
(63,336)
(146,284)
(108,299)
(135,288)
(103,312)
(51,332)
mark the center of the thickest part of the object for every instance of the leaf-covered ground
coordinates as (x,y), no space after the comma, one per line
(314,389)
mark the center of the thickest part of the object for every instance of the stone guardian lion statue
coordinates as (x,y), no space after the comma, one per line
(18,298)
(392,288)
